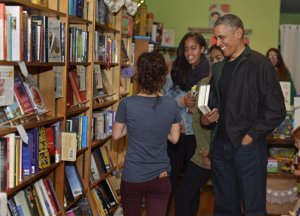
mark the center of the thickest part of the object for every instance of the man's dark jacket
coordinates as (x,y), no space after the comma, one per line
(255,103)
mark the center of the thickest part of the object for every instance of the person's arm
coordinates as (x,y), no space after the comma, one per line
(174,134)
(119,130)
(210,117)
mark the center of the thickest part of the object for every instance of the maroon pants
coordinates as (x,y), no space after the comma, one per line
(156,193)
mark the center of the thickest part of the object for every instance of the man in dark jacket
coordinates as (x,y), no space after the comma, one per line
(248,105)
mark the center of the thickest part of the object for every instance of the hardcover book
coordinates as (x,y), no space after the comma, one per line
(12,111)
(73,77)
(203,96)
(44,157)
(54,40)
(22,96)
(6,85)
(68,146)
(73,179)
(34,94)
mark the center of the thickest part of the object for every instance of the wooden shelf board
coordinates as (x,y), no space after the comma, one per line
(76,111)
(106,65)
(104,104)
(78,20)
(27,5)
(105,28)
(79,63)
(81,151)
(75,200)
(102,178)
(33,64)
(277,141)
(98,143)
(32,124)
(31,179)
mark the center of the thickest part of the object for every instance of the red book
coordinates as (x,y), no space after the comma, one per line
(73,77)
(50,140)
(2,32)
(50,196)
(22,96)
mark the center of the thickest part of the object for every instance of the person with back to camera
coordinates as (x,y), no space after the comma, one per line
(282,71)
(215,54)
(247,104)
(190,66)
(149,119)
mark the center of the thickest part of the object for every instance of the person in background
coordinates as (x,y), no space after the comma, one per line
(189,67)
(282,71)
(215,54)
(197,172)
(148,118)
(247,104)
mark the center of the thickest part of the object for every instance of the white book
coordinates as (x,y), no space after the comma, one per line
(41,198)
(45,193)
(81,77)
(296,112)
(203,96)
(58,81)
(16,31)
(98,76)
(11,159)
(3,204)
(21,203)
(54,40)
(6,85)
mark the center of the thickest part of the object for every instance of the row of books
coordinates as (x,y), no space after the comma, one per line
(20,159)
(30,38)
(76,86)
(78,125)
(78,44)
(101,163)
(26,99)
(38,199)
(102,124)
(105,48)
(79,8)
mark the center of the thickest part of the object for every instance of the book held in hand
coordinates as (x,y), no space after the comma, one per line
(203,97)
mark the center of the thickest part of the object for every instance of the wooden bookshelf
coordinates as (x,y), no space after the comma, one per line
(58,109)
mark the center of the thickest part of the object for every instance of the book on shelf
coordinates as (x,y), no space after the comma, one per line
(203,96)
(286,91)
(2,32)
(82,207)
(74,81)
(31,201)
(12,111)
(285,129)
(18,161)
(68,146)
(72,180)
(10,166)
(21,203)
(21,95)
(34,94)
(3,163)
(12,207)
(15,32)
(3,117)
(54,40)
(58,81)
(42,200)
(6,85)
(37,200)
(44,157)
(107,84)
(3,204)
(95,174)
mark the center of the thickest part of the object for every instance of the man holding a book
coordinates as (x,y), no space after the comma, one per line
(247,105)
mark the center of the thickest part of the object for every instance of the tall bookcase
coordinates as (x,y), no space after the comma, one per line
(59,109)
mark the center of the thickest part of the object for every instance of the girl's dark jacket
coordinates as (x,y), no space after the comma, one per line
(255,103)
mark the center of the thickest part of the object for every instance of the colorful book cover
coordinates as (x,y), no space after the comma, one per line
(54,40)
(6,85)
(34,94)
(44,157)
(73,179)
(12,111)
(22,96)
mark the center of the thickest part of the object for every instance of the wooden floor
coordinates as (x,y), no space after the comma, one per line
(206,204)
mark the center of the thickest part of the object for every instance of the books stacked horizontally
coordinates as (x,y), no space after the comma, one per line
(203,96)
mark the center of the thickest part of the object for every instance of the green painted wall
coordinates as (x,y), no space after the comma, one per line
(261,16)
